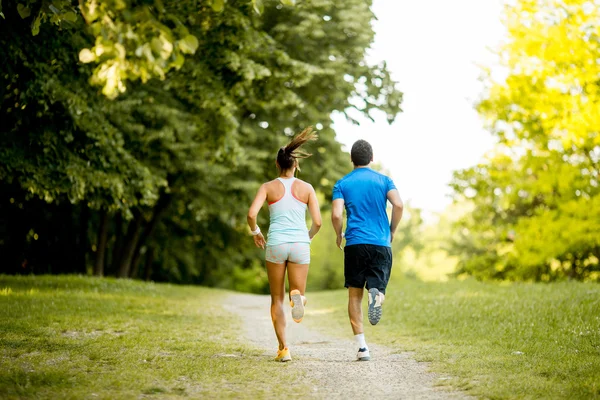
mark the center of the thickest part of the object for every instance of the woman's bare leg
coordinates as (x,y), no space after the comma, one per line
(276,274)
(297,274)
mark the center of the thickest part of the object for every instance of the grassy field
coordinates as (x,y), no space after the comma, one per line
(74,337)
(497,341)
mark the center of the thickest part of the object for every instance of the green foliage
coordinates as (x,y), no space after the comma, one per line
(535,199)
(165,171)
(420,248)
(62,13)
(132,39)
(326,260)
(250,280)
(409,232)
(496,341)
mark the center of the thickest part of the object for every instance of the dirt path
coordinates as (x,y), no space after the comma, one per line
(329,362)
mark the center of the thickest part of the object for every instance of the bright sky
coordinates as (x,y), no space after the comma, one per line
(432,48)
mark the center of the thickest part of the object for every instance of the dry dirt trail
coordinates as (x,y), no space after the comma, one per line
(329,364)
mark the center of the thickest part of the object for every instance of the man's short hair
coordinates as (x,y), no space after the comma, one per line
(361,153)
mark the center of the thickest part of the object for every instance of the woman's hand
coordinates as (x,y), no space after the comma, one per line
(259,240)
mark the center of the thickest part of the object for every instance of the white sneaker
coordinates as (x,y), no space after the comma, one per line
(363,354)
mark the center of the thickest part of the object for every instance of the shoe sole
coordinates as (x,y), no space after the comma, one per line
(297,305)
(364,359)
(374,312)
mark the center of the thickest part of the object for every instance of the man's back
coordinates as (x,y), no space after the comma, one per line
(364,192)
(369,233)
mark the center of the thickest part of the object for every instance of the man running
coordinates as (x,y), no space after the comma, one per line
(369,233)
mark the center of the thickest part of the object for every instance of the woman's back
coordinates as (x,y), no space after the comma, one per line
(276,189)
(288,243)
(287,198)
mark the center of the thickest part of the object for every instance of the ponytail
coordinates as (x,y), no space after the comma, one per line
(287,156)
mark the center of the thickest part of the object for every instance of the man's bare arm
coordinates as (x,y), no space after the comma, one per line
(337,219)
(397,209)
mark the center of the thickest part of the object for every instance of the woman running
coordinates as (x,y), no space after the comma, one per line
(288,240)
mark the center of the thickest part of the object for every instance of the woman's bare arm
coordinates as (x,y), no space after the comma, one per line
(255,207)
(315,213)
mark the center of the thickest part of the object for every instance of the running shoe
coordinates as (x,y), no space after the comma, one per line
(363,354)
(297,303)
(375,301)
(283,355)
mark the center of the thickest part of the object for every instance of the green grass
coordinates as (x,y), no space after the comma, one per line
(78,337)
(497,341)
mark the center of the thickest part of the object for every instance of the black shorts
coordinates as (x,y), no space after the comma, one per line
(367,264)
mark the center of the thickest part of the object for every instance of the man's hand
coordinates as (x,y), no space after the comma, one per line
(259,240)
(339,240)
(391,236)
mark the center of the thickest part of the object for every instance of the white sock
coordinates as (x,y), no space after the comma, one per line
(360,340)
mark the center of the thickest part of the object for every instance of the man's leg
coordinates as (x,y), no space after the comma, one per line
(355,296)
(377,279)
(354,273)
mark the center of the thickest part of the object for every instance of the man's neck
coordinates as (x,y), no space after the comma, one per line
(361,166)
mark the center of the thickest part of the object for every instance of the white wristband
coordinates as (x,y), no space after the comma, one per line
(256,231)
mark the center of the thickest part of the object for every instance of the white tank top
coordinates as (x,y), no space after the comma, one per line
(288,218)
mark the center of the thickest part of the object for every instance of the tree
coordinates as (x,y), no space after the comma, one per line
(167,169)
(536,198)
(132,39)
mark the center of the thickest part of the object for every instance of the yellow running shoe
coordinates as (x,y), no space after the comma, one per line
(297,303)
(283,355)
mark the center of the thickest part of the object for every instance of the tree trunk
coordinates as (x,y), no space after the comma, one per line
(101,244)
(82,239)
(573,271)
(64,251)
(202,274)
(116,251)
(129,246)
(161,205)
(148,263)
(135,262)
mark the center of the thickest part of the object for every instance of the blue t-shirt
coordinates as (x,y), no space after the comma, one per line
(364,192)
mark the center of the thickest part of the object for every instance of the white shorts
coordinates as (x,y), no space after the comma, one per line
(298,253)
